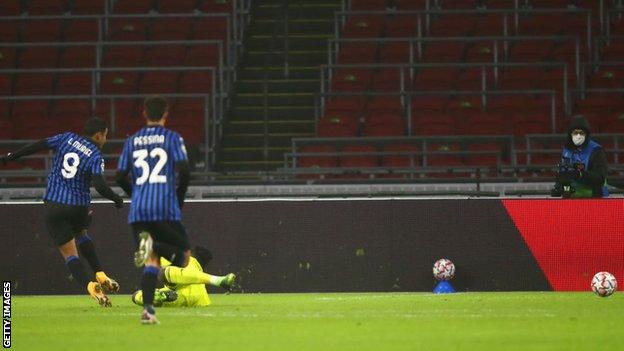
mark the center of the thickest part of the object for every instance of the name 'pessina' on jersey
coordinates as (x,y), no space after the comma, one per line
(149,156)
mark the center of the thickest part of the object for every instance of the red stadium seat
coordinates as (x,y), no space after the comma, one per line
(210,28)
(317,161)
(165,56)
(7,58)
(410,4)
(217,6)
(389,79)
(74,83)
(451,25)
(159,82)
(119,83)
(427,104)
(88,7)
(41,30)
(6,85)
(39,57)
(9,30)
(524,124)
(134,6)
(451,52)
(34,84)
(10,7)
(482,52)
(402,27)
(396,52)
(484,123)
(370,5)
(434,78)
(401,160)
(359,161)
(28,109)
(385,105)
(82,30)
(196,82)
(351,106)
(337,126)
(486,159)
(128,29)
(384,124)
(171,28)
(203,56)
(123,56)
(443,155)
(74,112)
(433,124)
(47,7)
(357,53)
(78,57)
(6,124)
(178,6)
(363,27)
(351,80)
(531,51)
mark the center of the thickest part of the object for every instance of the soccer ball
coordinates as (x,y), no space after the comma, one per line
(603,284)
(443,269)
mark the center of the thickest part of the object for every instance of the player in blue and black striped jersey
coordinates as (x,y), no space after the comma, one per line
(152,162)
(78,163)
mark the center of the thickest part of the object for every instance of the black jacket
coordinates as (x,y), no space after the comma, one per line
(596,172)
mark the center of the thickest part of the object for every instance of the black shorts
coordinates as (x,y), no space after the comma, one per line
(168,232)
(65,222)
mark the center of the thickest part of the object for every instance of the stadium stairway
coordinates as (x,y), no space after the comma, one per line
(286,42)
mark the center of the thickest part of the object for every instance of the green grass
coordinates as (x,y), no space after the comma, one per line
(372,321)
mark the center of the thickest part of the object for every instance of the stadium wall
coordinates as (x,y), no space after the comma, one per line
(351,245)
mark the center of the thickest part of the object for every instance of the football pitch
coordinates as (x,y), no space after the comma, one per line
(322,321)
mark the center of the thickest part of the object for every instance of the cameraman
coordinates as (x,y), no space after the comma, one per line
(583,166)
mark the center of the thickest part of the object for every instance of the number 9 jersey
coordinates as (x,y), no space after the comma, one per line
(77,159)
(150,156)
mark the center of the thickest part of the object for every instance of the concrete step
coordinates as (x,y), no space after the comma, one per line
(302,9)
(278,72)
(248,166)
(253,153)
(295,42)
(290,112)
(295,25)
(280,56)
(278,85)
(272,126)
(274,99)
(258,139)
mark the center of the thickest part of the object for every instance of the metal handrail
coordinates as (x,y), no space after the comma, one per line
(321,97)
(326,79)
(219,93)
(333,45)
(209,113)
(428,13)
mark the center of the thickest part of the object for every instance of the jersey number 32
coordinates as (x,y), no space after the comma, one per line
(140,161)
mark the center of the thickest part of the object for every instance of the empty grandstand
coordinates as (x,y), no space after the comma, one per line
(474,94)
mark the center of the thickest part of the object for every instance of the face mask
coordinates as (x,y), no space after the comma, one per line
(578,140)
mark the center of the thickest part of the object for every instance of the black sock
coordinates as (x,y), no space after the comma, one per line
(77,271)
(87,250)
(172,253)
(148,285)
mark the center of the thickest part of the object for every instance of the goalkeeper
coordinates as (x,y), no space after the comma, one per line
(186,287)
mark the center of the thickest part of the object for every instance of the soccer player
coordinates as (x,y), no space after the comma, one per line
(147,172)
(78,163)
(186,287)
